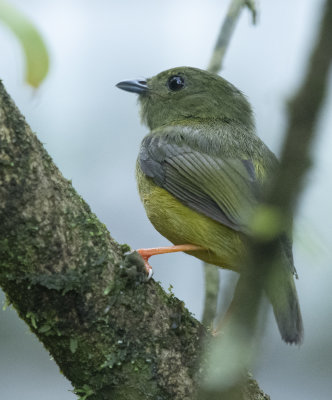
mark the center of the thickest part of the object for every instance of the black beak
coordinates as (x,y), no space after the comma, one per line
(134,86)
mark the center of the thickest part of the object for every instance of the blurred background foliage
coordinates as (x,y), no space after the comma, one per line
(92,131)
(34,49)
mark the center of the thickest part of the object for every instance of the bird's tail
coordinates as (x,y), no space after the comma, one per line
(281,291)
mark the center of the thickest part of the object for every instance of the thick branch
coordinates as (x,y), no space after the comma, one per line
(304,109)
(67,278)
(280,201)
(112,334)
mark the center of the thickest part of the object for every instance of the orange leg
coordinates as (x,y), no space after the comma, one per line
(147,253)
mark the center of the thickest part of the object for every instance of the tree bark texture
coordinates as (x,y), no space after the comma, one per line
(112,334)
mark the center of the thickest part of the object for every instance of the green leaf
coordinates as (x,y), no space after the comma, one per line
(33,319)
(44,328)
(84,392)
(35,52)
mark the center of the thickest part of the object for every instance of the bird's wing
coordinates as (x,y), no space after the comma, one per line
(225,190)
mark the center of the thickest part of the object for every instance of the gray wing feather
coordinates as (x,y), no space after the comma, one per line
(218,188)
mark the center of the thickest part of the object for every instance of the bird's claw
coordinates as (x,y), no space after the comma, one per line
(147,266)
(149,272)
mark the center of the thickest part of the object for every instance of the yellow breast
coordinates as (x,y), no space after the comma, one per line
(182,225)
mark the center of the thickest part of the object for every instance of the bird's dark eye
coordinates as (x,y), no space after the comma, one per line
(176,83)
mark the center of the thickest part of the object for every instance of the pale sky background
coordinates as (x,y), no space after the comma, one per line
(92,131)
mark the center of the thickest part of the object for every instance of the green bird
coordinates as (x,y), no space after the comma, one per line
(200,173)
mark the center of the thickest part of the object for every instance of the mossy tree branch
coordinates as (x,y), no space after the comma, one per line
(112,334)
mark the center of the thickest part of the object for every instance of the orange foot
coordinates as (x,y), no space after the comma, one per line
(147,253)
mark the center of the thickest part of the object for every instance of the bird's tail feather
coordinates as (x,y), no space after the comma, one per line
(281,291)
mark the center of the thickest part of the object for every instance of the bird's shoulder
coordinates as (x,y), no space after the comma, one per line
(220,141)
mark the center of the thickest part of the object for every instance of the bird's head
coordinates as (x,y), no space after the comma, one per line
(189,94)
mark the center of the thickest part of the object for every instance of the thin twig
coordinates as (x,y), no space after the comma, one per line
(226,32)
(211,274)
